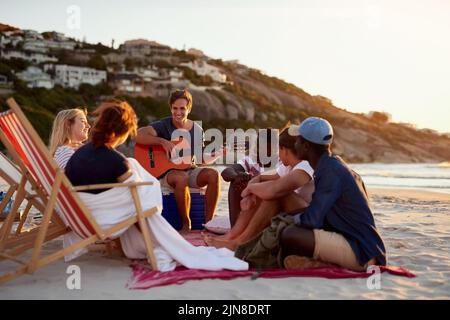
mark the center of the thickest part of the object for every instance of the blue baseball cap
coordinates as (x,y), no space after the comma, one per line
(313,129)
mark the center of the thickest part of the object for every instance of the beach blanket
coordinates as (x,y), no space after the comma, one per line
(143,278)
(171,249)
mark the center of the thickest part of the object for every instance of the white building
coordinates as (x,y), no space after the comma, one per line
(73,76)
(36,78)
(148,74)
(66,44)
(143,47)
(204,69)
(36,57)
(128,83)
(3,79)
(35,45)
(113,57)
(196,52)
(10,38)
(32,34)
(138,47)
(175,75)
(59,36)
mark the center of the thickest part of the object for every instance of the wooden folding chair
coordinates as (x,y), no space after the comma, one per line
(42,172)
(8,172)
(21,241)
(12,176)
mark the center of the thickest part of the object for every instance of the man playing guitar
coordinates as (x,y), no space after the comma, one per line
(161,133)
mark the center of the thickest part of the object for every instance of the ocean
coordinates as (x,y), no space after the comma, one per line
(425,176)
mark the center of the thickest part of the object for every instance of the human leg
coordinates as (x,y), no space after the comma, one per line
(179,180)
(209,177)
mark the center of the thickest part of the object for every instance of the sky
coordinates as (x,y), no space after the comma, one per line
(364,55)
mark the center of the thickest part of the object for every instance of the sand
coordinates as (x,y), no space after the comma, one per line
(414,224)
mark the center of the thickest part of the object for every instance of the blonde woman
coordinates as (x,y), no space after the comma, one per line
(70,130)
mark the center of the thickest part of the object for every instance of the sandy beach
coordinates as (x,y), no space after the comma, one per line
(414,224)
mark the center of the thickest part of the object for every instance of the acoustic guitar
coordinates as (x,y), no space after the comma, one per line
(154,158)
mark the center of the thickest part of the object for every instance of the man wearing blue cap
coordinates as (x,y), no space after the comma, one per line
(338,227)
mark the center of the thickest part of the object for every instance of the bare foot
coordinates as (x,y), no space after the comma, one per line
(222,237)
(217,243)
(184,230)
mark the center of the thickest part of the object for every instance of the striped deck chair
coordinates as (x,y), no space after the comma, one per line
(21,241)
(30,153)
(12,176)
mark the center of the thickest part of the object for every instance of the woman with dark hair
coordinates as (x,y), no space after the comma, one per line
(99,162)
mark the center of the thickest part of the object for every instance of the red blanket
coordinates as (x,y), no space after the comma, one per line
(143,278)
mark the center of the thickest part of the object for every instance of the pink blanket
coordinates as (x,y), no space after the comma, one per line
(143,278)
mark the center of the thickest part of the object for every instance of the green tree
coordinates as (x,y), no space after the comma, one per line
(97,62)
(47,35)
(163,64)
(15,64)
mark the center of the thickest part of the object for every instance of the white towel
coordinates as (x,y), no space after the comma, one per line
(115,205)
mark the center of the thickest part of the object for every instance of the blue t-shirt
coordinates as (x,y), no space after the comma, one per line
(91,165)
(165,128)
(340,204)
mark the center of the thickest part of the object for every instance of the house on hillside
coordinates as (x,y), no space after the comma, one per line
(128,84)
(73,76)
(35,57)
(4,83)
(143,47)
(196,52)
(36,78)
(11,39)
(35,45)
(202,68)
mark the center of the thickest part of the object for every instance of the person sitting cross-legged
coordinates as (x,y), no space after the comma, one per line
(289,189)
(338,227)
(240,173)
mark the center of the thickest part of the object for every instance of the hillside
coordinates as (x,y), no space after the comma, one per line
(247,99)
(267,101)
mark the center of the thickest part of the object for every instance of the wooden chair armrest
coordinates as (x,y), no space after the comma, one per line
(112,185)
(32,196)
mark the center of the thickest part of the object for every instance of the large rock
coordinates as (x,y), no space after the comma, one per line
(207,106)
